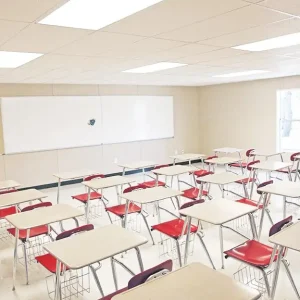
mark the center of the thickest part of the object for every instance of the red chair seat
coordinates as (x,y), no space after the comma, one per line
(239,165)
(84,197)
(193,193)
(36,231)
(245,180)
(49,262)
(252,252)
(7,211)
(250,202)
(201,173)
(173,228)
(119,210)
(286,171)
(110,296)
(151,184)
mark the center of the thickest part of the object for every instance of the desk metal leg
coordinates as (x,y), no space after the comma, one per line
(284,207)
(297,170)
(253,227)
(126,214)
(186,253)
(97,281)
(15,259)
(252,183)
(57,295)
(87,212)
(138,253)
(124,172)
(265,201)
(58,190)
(276,273)
(113,267)
(221,245)
(25,261)
(288,272)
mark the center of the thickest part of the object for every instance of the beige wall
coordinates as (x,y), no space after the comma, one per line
(37,168)
(241,114)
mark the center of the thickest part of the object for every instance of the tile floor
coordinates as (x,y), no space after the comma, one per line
(37,289)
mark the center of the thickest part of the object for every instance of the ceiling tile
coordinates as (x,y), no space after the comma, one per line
(171,14)
(42,38)
(210,56)
(97,43)
(255,34)
(288,6)
(231,22)
(28,10)
(143,48)
(8,29)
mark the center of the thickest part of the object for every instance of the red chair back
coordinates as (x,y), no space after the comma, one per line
(293,156)
(142,277)
(8,191)
(191,203)
(250,153)
(70,232)
(89,178)
(132,188)
(34,206)
(278,226)
(250,165)
(160,166)
(263,184)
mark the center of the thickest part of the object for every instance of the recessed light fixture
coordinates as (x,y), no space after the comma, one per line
(244,73)
(155,67)
(274,43)
(95,14)
(16,59)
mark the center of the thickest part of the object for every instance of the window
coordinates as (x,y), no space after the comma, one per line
(288,104)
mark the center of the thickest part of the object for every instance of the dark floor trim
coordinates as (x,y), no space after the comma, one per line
(52,185)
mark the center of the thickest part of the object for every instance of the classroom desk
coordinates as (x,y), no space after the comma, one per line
(228,150)
(186,157)
(38,217)
(71,176)
(193,282)
(286,238)
(286,189)
(297,170)
(95,246)
(9,184)
(138,165)
(268,155)
(152,195)
(174,171)
(268,166)
(224,161)
(19,197)
(221,179)
(217,212)
(104,183)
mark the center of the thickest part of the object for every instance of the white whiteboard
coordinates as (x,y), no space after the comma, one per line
(136,118)
(46,123)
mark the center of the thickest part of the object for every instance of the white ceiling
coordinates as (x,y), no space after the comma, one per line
(199,33)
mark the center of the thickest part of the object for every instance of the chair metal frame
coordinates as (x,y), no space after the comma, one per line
(200,234)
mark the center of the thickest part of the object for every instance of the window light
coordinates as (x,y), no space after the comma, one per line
(244,73)
(274,43)
(94,14)
(155,67)
(16,59)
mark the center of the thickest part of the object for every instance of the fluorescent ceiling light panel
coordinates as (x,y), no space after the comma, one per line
(245,73)
(155,67)
(95,14)
(274,43)
(16,59)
